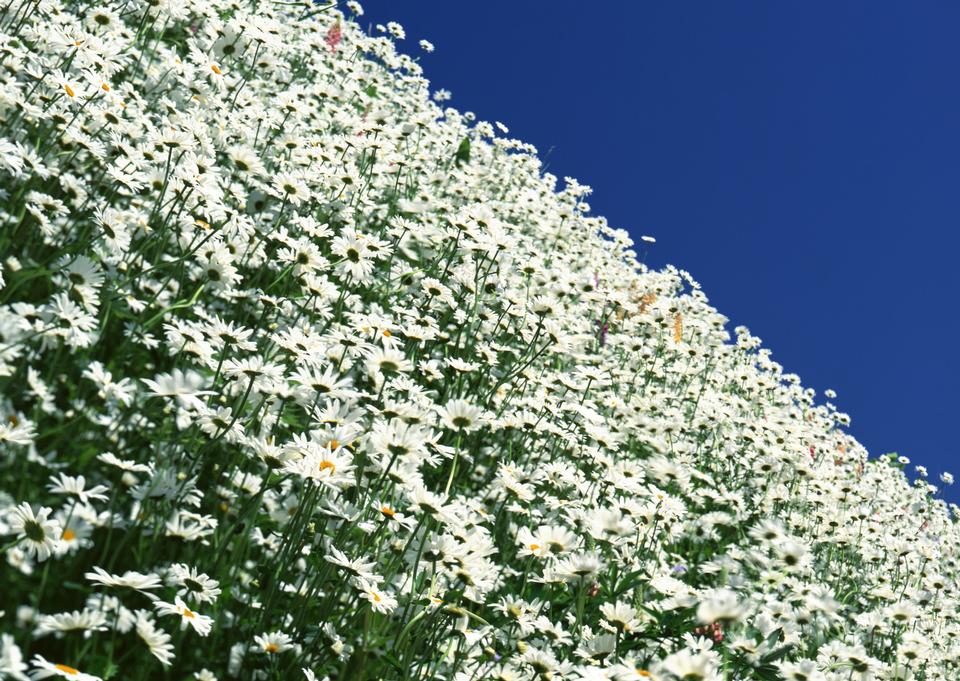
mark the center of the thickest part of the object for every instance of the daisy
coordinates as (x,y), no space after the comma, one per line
(128,465)
(273,643)
(355,568)
(86,621)
(11,157)
(11,659)
(291,188)
(387,361)
(128,580)
(157,640)
(76,529)
(379,600)
(44,670)
(264,374)
(355,260)
(396,438)
(73,323)
(330,382)
(246,161)
(184,387)
(219,421)
(191,582)
(331,468)
(114,230)
(530,545)
(81,272)
(230,334)
(461,415)
(70,86)
(686,664)
(580,567)
(200,623)
(462,366)
(38,535)
(18,432)
(722,605)
(392,517)
(622,616)
(74,486)
(557,538)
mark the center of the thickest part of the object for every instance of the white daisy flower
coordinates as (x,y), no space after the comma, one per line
(200,623)
(38,535)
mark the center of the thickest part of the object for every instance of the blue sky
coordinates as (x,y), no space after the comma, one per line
(801,160)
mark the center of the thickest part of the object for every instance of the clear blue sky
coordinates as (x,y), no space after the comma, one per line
(801,160)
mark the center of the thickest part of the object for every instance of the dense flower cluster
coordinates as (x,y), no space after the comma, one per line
(302,374)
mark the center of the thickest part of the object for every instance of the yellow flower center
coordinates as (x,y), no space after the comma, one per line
(324,465)
(534,547)
(386,332)
(387,511)
(187,612)
(105,87)
(68,535)
(70,92)
(334,444)
(215,69)
(271,648)
(67,670)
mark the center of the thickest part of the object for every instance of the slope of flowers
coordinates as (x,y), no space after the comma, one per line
(304,376)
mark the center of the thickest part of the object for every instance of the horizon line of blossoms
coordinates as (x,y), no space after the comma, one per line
(305,375)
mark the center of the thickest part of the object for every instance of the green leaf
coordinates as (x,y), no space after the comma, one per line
(110,671)
(767,673)
(777,654)
(774,637)
(463,151)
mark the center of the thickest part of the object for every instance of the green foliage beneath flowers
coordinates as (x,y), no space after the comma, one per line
(302,375)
